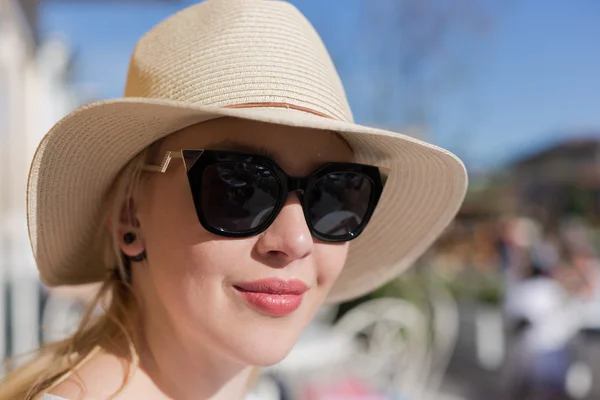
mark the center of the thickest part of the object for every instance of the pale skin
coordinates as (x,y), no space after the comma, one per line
(200,338)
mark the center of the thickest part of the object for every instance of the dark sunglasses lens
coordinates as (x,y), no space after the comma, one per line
(238,197)
(338,203)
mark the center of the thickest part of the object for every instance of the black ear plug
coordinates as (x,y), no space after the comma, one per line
(129,237)
(139,257)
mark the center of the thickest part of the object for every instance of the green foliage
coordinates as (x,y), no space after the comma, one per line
(414,286)
(476,286)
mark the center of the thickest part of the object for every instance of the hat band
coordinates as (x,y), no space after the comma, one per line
(278,105)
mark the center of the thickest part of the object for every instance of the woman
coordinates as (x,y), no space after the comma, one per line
(216,202)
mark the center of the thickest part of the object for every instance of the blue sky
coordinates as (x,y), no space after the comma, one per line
(533,77)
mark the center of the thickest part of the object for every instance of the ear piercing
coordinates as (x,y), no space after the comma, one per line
(139,257)
(129,238)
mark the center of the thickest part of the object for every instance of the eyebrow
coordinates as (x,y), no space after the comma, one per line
(232,145)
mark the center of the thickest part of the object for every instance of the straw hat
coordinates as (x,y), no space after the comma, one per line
(259,60)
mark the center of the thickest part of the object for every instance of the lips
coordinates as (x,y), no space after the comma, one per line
(272,296)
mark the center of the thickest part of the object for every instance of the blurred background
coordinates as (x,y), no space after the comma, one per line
(506,305)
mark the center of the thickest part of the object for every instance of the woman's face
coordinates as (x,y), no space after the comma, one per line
(194,279)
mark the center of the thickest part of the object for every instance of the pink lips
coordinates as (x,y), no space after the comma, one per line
(275,297)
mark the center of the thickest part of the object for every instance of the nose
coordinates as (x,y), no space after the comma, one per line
(288,238)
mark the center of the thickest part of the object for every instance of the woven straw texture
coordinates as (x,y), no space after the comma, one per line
(253,59)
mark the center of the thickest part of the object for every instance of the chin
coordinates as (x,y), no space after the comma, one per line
(264,349)
(267,358)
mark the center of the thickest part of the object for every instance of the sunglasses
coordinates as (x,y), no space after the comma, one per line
(239,195)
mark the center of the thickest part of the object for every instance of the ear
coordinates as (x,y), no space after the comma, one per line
(129,233)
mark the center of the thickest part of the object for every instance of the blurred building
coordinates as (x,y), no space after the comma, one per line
(34,93)
(561,179)
(554,181)
(18,45)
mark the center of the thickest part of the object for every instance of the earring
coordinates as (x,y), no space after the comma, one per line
(139,257)
(129,237)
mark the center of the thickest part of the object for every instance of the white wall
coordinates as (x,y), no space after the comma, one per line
(34,93)
(17,57)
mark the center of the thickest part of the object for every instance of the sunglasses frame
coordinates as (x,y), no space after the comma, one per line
(196,161)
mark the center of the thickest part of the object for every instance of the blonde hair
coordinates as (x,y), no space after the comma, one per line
(54,362)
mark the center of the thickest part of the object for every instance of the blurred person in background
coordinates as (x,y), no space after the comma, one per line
(178,198)
(544,324)
(581,277)
(581,273)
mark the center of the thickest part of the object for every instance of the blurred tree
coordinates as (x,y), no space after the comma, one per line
(420,51)
(416,54)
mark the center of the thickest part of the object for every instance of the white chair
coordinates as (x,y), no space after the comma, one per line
(400,347)
(391,344)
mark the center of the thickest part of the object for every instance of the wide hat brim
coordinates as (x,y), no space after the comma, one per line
(80,157)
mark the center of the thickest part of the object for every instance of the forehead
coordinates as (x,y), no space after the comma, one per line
(297,150)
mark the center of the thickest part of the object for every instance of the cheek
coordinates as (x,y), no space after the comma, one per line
(330,262)
(186,261)
(167,213)
(177,246)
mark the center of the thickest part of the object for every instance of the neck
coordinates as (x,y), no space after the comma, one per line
(179,365)
(179,375)
(183,372)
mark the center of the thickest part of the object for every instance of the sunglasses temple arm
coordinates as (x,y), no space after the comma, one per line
(162,168)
